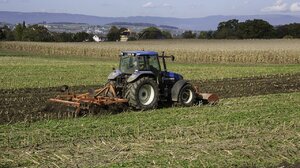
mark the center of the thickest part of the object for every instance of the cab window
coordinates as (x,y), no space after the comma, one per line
(142,63)
(148,63)
(153,63)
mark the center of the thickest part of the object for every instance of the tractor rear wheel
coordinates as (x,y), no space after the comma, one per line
(187,95)
(142,94)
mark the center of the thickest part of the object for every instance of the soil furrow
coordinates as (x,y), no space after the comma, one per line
(29,104)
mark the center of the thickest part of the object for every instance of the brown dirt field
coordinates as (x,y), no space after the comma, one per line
(31,104)
(253,86)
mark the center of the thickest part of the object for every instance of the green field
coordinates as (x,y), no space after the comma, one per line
(257,131)
(26,70)
(260,131)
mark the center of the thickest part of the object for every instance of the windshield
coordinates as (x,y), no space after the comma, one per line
(128,64)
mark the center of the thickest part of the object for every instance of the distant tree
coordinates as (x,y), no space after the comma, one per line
(202,35)
(211,34)
(289,30)
(63,37)
(37,33)
(151,33)
(90,37)
(8,34)
(81,36)
(228,29)
(113,34)
(206,35)
(188,35)
(2,35)
(166,34)
(24,25)
(250,29)
(256,29)
(19,31)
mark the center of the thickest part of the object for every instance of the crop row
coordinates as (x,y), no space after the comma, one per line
(187,51)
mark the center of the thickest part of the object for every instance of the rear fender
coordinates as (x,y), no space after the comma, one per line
(114,74)
(136,75)
(176,89)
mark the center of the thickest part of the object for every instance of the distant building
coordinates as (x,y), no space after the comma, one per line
(99,39)
(125,35)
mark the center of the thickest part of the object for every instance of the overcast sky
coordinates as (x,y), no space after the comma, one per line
(163,8)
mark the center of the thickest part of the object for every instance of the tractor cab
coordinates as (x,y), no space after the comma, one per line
(143,63)
(132,61)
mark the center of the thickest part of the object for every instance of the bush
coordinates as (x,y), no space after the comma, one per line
(188,35)
(113,34)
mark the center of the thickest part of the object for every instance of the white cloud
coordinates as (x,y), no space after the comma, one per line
(149,5)
(295,7)
(278,6)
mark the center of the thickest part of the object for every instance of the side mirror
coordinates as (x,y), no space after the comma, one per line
(113,68)
(173,58)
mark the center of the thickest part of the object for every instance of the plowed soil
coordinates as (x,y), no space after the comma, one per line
(31,104)
(254,86)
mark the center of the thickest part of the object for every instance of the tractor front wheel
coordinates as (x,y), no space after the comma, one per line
(143,94)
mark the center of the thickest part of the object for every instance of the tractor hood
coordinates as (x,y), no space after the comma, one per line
(174,75)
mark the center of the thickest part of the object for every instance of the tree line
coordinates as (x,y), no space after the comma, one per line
(231,29)
(251,29)
(148,33)
(21,32)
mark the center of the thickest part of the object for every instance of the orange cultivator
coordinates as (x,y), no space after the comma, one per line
(107,96)
(100,97)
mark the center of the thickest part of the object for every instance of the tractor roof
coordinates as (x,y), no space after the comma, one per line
(140,53)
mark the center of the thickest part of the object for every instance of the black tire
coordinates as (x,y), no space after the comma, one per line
(143,94)
(187,96)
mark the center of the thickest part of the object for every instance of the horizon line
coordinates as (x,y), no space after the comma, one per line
(155,16)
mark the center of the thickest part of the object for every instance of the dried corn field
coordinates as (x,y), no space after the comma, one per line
(186,51)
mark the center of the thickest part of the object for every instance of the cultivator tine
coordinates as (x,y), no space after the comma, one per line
(70,103)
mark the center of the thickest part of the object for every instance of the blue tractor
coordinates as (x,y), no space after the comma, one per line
(143,79)
(142,82)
